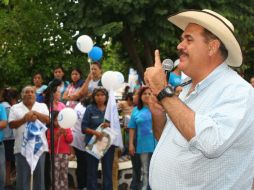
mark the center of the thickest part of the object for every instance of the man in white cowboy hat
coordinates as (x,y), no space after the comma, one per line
(206,140)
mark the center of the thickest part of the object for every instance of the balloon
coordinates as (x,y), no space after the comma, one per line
(108,79)
(96,53)
(84,43)
(67,118)
(112,80)
(120,77)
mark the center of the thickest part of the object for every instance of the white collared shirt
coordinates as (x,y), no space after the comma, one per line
(221,155)
(18,111)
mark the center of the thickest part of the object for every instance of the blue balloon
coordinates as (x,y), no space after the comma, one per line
(96,53)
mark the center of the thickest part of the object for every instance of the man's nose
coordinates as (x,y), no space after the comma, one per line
(180,46)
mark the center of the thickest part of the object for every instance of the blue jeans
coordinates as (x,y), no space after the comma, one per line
(107,166)
(24,173)
(145,162)
(2,166)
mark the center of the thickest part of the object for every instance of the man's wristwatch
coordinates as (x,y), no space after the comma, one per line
(168,91)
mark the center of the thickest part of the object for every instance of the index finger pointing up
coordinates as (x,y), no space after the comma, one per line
(157,58)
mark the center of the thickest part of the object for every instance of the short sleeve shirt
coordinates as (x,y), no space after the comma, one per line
(17,112)
(3,117)
(141,120)
(92,119)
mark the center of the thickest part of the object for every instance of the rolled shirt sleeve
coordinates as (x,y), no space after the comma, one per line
(218,129)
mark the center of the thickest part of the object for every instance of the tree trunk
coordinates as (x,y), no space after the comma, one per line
(129,45)
(149,60)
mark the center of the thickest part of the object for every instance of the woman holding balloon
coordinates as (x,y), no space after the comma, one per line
(95,53)
(92,81)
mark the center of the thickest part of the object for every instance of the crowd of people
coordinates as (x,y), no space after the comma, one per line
(88,99)
(191,134)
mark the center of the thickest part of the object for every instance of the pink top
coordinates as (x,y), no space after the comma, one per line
(62,144)
(60,106)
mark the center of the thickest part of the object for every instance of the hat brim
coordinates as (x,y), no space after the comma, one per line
(215,25)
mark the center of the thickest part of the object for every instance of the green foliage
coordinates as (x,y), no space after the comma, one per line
(32,39)
(38,35)
(114,60)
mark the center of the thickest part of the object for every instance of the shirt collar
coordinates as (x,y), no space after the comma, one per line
(215,74)
(206,81)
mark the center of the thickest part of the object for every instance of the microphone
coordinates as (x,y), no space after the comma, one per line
(167,66)
(54,83)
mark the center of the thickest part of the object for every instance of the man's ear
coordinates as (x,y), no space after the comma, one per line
(214,46)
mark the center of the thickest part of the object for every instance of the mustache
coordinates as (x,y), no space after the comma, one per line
(181,52)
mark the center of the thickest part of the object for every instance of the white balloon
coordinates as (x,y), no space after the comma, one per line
(84,43)
(119,80)
(108,79)
(112,80)
(120,77)
(67,118)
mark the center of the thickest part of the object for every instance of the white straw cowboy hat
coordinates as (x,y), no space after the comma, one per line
(218,25)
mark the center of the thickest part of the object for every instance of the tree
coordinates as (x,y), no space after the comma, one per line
(139,26)
(142,26)
(37,35)
(32,39)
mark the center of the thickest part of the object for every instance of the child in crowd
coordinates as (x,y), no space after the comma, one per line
(62,139)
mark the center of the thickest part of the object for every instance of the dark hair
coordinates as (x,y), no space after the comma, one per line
(80,82)
(125,92)
(78,70)
(10,94)
(210,36)
(59,67)
(98,64)
(99,89)
(140,93)
(37,73)
(129,96)
(86,101)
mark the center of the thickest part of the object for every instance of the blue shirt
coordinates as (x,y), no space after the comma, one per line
(39,93)
(141,120)
(8,132)
(93,117)
(3,117)
(221,154)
